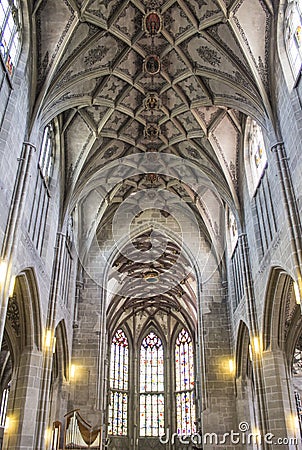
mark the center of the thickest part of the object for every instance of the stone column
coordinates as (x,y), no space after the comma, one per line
(23,400)
(12,227)
(281,418)
(254,334)
(43,401)
(290,204)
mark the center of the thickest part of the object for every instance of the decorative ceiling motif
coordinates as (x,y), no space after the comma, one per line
(154,78)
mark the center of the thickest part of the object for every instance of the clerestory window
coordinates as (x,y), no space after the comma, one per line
(10,32)
(119,369)
(293,34)
(184,384)
(152,400)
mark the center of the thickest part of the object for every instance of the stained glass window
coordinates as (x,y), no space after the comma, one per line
(233,230)
(293,34)
(257,152)
(46,159)
(10,33)
(3,406)
(299,410)
(118,381)
(152,402)
(184,384)
(297,360)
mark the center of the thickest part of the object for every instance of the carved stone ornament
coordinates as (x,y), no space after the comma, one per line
(152,178)
(152,23)
(152,102)
(152,131)
(13,314)
(152,64)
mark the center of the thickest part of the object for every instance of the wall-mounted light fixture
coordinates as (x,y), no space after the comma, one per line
(231,366)
(256,345)
(3,270)
(48,339)
(72,372)
(297,293)
(12,286)
(250,352)
(8,424)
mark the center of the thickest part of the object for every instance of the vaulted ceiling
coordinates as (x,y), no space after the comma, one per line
(92,70)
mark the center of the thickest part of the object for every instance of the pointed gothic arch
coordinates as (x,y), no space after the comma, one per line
(278,295)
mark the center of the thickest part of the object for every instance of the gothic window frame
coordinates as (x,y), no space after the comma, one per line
(232,230)
(293,35)
(10,34)
(47,153)
(160,405)
(4,405)
(41,197)
(256,154)
(191,391)
(296,375)
(136,392)
(118,394)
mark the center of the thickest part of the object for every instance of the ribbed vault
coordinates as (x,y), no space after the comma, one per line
(152,274)
(123,92)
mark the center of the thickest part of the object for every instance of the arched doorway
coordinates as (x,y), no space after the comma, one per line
(22,351)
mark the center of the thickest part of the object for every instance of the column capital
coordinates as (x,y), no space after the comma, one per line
(277,146)
(30,145)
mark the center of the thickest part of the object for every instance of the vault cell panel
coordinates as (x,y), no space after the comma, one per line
(133,100)
(100,54)
(176,21)
(208,114)
(174,64)
(228,138)
(203,9)
(209,57)
(117,119)
(192,89)
(171,99)
(189,123)
(134,130)
(226,39)
(96,113)
(53,20)
(129,21)
(131,65)
(79,36)
(252,21)
(160,44)
(76,136)
(103,9)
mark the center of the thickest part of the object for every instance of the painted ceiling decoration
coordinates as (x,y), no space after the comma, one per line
(153,79)
(152,23)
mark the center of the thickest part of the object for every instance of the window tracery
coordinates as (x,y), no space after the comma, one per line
(256,153)
(10,33)
(154,389)
(152,400)
(46,159)
(184,384)
(118,381)
(293,34)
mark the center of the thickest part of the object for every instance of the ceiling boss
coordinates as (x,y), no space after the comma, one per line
(152,23)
